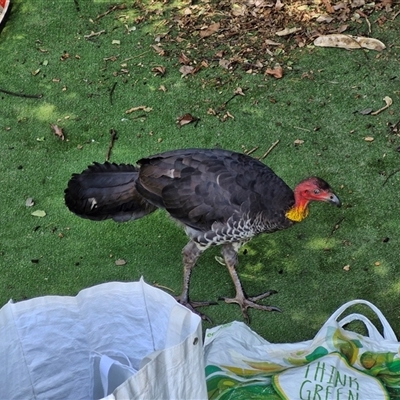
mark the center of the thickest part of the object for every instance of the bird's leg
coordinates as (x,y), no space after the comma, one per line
(191,252)
(229,252)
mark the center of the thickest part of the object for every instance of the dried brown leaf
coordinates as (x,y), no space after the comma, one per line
(159,50)
(186,119)
(349,42)
(57,131)
(186,70)
(210,30)
(278,5)
(276,72)
(324,18)
(225,63)
(287,31)
(159,70)
(239,91)
(184,59)
(64,56)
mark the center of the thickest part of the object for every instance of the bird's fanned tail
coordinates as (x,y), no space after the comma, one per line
(105,191)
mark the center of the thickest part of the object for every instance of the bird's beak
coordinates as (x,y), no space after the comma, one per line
(333,199)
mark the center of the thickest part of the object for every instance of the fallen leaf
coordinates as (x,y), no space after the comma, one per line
(377,264)
(276,72)
(29,202)
(116,42)
(224,63)
(278,5)
(186,70)
(39,213)
(298,142)
(346,268)
(139,108)
(34,73)
(64,56)
(239,10)
(369,139)
(210,30)
(239,91)
(159,70)
(226,116)
(57,131)
(186,119)
(162,88)
(184,59)
(324,18)
(120,262)
(159,50)
(349,42)
(287,31)
(272,43)
(342,28)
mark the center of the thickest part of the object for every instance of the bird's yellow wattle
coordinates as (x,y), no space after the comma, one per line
(297,213)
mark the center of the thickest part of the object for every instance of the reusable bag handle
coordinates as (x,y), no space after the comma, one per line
(373,332)
(105,365)
(388,333)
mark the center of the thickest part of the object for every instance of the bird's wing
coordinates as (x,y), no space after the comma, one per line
(199,187)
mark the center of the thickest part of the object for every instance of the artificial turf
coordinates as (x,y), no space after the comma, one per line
(86,85)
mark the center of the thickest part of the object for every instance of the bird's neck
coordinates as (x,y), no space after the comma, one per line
(300,209)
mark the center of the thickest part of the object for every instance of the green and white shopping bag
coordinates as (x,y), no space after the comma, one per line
(336,364)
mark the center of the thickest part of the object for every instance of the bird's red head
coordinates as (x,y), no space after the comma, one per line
(310,189)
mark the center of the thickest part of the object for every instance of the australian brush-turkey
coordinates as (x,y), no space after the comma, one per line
(219,197)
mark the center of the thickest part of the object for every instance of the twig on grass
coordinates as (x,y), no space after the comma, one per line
(302,129)
(110,10)
(335,228)
(93,34)
(112,92)
(270,149)
(27,96)
(390,175)
(113,134)
(248,152)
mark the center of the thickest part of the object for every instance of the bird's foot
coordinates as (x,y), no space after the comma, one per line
(192,305)
(251,302)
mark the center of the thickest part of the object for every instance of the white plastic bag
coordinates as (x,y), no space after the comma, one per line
(240,363)
(127,334)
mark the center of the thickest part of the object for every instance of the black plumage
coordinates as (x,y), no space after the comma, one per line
(220,197)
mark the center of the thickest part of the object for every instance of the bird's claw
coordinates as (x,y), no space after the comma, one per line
(192,305)
(250,302)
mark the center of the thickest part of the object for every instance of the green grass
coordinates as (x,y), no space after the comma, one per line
(62,254)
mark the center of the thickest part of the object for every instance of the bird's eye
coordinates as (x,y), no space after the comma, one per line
(316,191)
